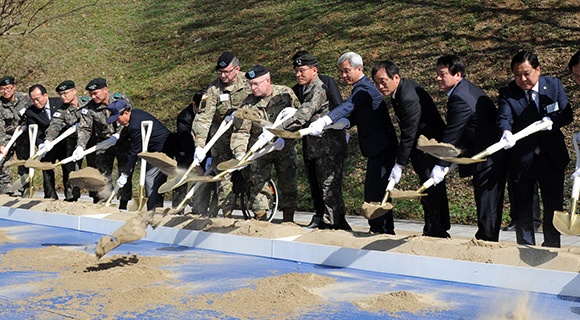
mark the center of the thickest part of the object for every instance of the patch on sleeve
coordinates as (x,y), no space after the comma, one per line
(56,115)
(84,111)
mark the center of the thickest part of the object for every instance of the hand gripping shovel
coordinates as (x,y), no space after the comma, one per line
(146,129)
(342,123)
(175,182)
(568,223)
(373,210)
(414,194)
(32,163)
(284,115)
(17,133)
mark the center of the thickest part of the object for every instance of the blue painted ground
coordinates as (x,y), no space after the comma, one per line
(461,301)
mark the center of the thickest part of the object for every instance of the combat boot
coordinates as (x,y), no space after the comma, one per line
(261,215)
(288,215)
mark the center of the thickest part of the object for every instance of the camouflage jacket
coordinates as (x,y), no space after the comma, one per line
(246,132)
(218,101)
(11,115)
(65,118)
(315,106)
(93,121)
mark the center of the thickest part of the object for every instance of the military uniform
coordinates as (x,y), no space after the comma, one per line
(11,116)
(219,101)
(62,120)
(327,151)
(93,128)
(246,134)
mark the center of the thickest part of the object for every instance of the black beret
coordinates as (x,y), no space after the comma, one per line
(65,85)
(6,80)
(306,60)
(224,60)
(96,83)
(256,71)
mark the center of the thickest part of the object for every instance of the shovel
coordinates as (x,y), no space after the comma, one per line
(235,164)
(408,195)
(532,128)
(175,182)
(32,132)
(17,133)
(34,155)
(146,129)
(568,223)
(342,123)
(372,210)
(284,115)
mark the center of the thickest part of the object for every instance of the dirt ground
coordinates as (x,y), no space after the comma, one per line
(115,286)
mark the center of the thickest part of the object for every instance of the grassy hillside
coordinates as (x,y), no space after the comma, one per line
(161,52)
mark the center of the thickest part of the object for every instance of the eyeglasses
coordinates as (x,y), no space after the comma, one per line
(7,88)
(64,93)
(226,72)
(255,84)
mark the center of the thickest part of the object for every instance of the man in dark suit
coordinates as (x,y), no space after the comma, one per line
(337,145)
(417,115)
(471,127)
(541,157)
(40,113)
(376,134)
(130,119)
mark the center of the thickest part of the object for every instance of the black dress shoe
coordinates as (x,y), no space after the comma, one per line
(71,199)
(510,227)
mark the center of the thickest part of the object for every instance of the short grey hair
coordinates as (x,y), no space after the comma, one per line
(354,59)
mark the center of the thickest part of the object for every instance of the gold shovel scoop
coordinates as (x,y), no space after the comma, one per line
(564,222)
(373,210)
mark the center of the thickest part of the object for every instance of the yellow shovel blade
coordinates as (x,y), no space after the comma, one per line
(226,165)
(285,134)
(373,210)
(406,194)
(140,203)
(462,160)
(35,164)
(566,223)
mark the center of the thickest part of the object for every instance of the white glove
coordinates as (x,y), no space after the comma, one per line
(199,154)
(266,135)
(317,126)
(438,174)
(48,145)
(547,119)
(78,154)
(208,164)
(279,144)
(122,181)
(396,173)
(576,174)
(509,139)
(286,112)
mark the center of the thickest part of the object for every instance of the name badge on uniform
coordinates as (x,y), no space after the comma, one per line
(56,115)
(552,107)
(224,97)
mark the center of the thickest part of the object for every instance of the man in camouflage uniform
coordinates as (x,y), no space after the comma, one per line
(62,120)
(14,104)
(221,98)
(268,100)
(326,152)
(93,128)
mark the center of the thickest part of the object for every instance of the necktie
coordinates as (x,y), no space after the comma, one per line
(47,111)
(531,98)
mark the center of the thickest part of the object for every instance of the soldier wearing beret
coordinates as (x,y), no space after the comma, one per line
(323,155)
(14,104)
(268,100)
(93,128)
(221,98)
(61,121)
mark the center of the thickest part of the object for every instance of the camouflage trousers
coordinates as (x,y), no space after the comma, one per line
(226,198)
(22,151)
(284,161)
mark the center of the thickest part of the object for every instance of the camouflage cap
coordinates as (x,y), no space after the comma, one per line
(224,60)
(306,60)
(257,71)
(65,85)
(116,107)
(6,80)
(96,83)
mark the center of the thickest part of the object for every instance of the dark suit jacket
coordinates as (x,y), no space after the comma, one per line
(37,116)
(471,124)
(417,115)
(368,111)
(516,113)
